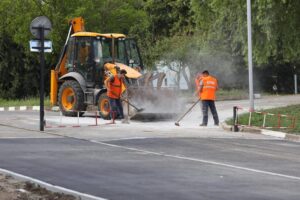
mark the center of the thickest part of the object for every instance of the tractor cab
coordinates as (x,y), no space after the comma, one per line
(121,50)
(87,53)
(133,54)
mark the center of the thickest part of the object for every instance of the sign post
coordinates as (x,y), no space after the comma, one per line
(40,28)
(42,59)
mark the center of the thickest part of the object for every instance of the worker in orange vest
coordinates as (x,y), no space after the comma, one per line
(115,84)
(208,86)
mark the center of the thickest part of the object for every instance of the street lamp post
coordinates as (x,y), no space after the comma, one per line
(295,80)
(250,67)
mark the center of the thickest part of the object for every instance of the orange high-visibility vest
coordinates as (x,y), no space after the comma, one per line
(210,85)
(114,88)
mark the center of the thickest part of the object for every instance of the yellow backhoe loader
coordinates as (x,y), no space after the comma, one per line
(78,78)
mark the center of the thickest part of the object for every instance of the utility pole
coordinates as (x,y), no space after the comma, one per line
(250,66)
(295,81)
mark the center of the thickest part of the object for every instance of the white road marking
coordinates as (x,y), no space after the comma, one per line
(128,138)
(51,187)
(203,161)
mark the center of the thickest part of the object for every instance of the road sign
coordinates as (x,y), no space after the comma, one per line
(35,46)
(40,22)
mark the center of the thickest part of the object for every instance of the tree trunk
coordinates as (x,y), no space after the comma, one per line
(188,82)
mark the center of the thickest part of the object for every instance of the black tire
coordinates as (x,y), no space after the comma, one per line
(103,106)
(71,99)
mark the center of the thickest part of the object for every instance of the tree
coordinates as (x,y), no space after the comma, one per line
(275,24)
(100,16)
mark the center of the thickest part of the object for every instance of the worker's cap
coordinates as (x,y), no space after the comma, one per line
(123,71)
(205,72)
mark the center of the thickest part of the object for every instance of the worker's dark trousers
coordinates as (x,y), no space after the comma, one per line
(211,105)
(116,108)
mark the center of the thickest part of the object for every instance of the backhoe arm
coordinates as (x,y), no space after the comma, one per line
(76,25)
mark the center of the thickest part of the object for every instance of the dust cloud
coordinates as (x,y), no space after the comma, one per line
(169,100)
(153,100)
(229,71)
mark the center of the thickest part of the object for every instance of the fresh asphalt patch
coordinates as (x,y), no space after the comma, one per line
(161,168)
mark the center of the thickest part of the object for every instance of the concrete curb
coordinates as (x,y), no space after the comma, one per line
(286,136)
(292,137)
(255,130)
(250,129)
(226,127)
(50,187)
(28,108)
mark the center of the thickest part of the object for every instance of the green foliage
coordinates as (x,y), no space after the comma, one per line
(278,26)
(196,34)
(16,74)
(275,24)
(19,68)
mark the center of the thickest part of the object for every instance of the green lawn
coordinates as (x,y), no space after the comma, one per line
(233,94)
(257,119)
(34,101)
(221,94)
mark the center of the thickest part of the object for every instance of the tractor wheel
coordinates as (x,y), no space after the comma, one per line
(103,106)
(71,99)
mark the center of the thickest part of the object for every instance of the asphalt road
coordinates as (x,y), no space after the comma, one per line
(169,168)
(153,160)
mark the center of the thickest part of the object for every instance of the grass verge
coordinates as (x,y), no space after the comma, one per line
(257,119)
(232,94)
(32,101)
(221,94)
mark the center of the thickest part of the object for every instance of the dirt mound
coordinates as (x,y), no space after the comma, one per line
(12,189)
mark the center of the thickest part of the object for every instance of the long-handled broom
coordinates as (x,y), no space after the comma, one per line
(177,122)
(137,109)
